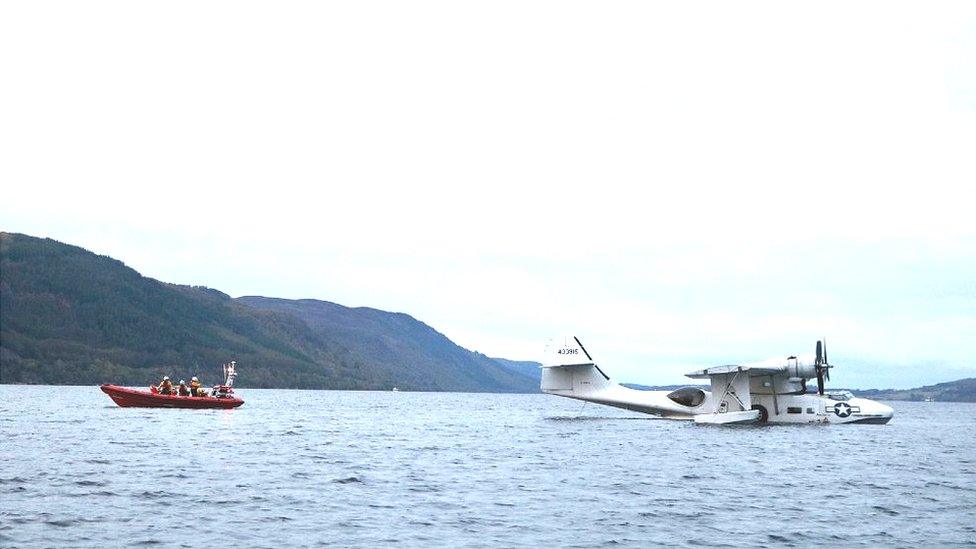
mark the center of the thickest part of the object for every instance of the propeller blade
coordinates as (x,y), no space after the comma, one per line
(819,354)
(825,353)
(820,381)
(827,372)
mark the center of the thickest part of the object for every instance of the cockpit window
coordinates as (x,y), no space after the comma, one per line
(688,396)
(840,395)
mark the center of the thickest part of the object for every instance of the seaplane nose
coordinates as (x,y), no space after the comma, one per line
(886,412)
(876,412)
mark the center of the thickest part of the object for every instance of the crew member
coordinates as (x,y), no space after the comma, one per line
(183,390)
(166,386)
(195,387)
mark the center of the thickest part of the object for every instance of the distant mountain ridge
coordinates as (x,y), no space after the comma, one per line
(404,352)
(70,316)
(527,368)
(962,390)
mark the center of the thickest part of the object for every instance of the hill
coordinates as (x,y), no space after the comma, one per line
(400,350)
(70,316)
(962,390)
(526,368)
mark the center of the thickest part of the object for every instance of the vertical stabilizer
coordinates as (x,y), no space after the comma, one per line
(565,351)
(568,369)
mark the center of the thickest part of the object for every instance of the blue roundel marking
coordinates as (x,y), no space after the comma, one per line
(842,409)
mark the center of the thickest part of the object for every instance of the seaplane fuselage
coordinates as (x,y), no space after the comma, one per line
(774,391)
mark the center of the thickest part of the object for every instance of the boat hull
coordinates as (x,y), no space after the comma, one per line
(134,398)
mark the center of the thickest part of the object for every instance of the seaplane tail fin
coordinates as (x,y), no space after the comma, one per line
(569,370)
(566,351)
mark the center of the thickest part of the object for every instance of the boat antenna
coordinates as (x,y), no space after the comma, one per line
(230,373)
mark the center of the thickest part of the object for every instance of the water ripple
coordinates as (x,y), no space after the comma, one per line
(354,469)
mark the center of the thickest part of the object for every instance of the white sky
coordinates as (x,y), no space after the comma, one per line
(681,184)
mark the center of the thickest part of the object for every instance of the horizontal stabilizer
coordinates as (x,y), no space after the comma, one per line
(569,370)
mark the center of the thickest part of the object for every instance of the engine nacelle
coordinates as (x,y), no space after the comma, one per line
(688,396)
(793,368)
(799,369)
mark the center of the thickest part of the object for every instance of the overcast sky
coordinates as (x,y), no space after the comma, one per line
(681,184)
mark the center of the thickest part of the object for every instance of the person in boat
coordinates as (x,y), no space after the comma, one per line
(165,386)
(196,387)
(183,390)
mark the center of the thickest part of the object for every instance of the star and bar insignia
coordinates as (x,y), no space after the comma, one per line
(843,409)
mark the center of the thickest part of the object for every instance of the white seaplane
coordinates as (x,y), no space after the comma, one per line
(772,391)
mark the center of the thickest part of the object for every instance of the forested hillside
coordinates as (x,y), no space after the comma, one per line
(68,316)
(401,350)
(525,367)
(962,390)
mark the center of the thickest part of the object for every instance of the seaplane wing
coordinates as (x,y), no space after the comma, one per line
(772,390)
(732,369)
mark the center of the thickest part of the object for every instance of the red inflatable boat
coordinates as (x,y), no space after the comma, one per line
(134,398)
(222,396)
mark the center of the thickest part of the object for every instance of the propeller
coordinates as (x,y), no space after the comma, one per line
(822,366)
(827,365)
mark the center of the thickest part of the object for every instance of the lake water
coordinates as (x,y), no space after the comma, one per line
(370,469)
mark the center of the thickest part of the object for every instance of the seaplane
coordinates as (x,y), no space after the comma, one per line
(772,391)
